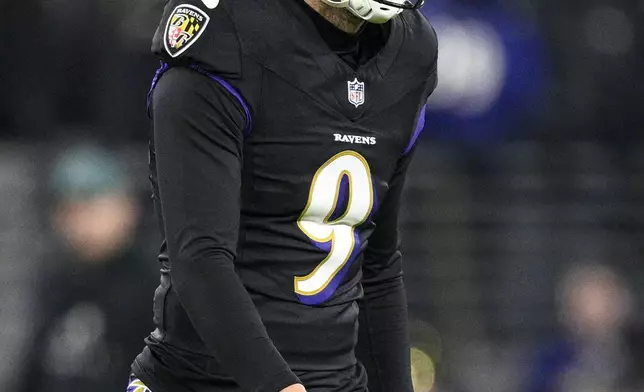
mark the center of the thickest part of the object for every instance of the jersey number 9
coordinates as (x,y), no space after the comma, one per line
(342,181)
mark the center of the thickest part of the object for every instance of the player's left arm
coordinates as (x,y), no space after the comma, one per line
(383,344)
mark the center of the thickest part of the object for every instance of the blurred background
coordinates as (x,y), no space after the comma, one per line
(523,223)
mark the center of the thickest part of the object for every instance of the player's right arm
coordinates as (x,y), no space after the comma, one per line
(198,135)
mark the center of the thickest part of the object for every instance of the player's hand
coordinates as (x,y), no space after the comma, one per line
(294,388)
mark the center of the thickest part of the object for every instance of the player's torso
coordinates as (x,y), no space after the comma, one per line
(324,144)
(316,168)
(313,179)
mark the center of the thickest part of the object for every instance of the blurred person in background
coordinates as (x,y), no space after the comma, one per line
(93,291)
(592,355)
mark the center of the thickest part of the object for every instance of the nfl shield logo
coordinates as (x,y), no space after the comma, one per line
(356,92)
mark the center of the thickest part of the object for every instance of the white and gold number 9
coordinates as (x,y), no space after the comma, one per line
(316,222)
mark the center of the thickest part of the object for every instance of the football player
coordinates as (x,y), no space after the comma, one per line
(282,132)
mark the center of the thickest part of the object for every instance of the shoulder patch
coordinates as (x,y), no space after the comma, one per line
(184,27)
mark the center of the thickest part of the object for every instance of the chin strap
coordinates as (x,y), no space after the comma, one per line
(372,11)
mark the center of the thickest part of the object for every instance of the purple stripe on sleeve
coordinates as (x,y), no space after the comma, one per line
(232,91)
(164,67)
(375,205)
(420,124)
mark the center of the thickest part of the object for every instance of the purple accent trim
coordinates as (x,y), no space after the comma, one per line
(337,279)
(164,67)
(341,203)
(232,91)
(325,246)
(420,124)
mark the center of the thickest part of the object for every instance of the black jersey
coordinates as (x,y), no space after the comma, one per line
(277,169)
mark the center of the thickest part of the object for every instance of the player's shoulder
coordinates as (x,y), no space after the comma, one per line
(202,31)
(421,42)
(421,31)
(183,92)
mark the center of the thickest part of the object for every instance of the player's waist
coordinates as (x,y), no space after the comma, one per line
(192,360)
(309,338)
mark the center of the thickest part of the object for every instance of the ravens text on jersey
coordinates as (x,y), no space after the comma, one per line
(278,156)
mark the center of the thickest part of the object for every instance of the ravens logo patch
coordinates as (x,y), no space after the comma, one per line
(185,24)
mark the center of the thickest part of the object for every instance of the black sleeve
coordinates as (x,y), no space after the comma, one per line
(383,343)
(198,141)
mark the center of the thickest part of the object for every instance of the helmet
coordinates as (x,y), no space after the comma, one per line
(375,11)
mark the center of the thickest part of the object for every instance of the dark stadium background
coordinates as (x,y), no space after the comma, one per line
(523,224)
